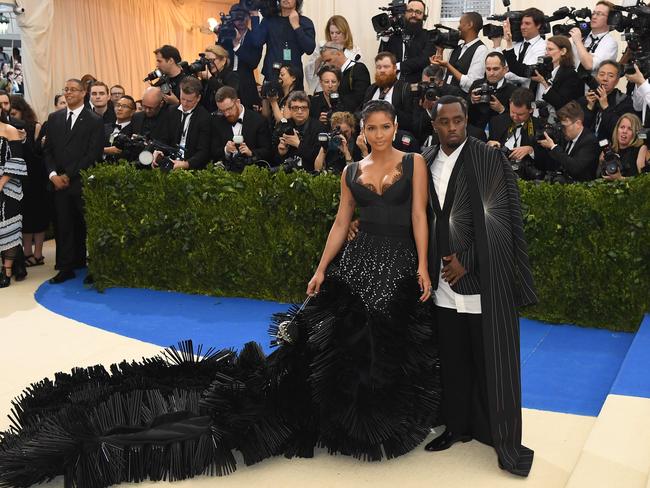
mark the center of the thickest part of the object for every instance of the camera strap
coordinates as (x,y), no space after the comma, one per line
(594,42)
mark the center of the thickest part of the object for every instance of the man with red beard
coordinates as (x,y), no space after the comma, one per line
(388,87)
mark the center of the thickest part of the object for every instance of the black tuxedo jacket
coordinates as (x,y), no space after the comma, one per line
(197,144)
(255,130)
(402,102)
(355,80)
(417,56)
(68,153)
(128,131)
(618,104)
(248,58)
(146,126)
(481,113)
(566,86)
(499,126)
(309,146)
(582,164)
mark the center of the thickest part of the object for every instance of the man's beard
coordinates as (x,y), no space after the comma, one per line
(385,80)
(413,28)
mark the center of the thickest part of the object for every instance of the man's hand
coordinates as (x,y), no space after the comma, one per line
(519,153)
(496,144)
(496,105)
(294,19)
(292,139)
(245,150)
(181,164)
(453,270)
(353,230)
(636,77)
(231,147)
(323,118)
(474,96)
(602,98)
(576,36)
(547,142)
(539,79)
(60,182)
(439,60)
(592,98)
(171,99)
(112,150)
(344,147)
(507,34)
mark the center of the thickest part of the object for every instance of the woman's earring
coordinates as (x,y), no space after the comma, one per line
(394,135)
(365,139)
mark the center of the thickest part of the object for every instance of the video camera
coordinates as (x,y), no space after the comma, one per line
(611,160)
(514,17)
(443,36)
(272,87)
(138,144)
(391,23)
(266,7)
(581,19)
(634,24)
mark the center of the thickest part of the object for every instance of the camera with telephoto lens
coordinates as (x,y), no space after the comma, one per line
(425,90)
(391,22)
(443,36)
(283,128)
(330,140)
(581,19)
(162,81)
(544,67)
(485,92)
(334,103)
(514,17)
(554,131)
(197,66)
(611,160)
(272,87)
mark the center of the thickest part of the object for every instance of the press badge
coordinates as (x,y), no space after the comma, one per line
(286,53)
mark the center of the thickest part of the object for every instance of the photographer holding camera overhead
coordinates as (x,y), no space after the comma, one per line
(286,32)
(168,60)
(599,45)
(466,62)
(403,34)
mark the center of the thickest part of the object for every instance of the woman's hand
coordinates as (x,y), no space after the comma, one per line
(425,284)
(539,79)
(313,287)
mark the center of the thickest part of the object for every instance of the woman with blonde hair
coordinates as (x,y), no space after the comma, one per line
(217,73)
(337,30)
(631,150)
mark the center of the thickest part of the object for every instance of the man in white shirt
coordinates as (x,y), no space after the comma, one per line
(466,62)
(599,45)
(523,54)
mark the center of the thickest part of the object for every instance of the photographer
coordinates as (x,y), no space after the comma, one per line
(322,103)
(168,59)
(218,72)
(412,56)
(388,87)
(490,95)
(146,122)
(274,101)
(522,55)
(187,126)
(599,45)
(287,36)
(124,110)
(341,149)
(604,105)
(562,84)
(301,138)
(244,56)
(233,119)
(515,130)
(630,152)
(467,60)
(355,77)
(578,154)
(641,92)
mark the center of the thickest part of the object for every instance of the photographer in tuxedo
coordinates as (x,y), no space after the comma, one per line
(187,126)
(74,142)
(146,122)
(484,107)
(168,59)
(412,56)
(355,77)
(233,119)
(124,110)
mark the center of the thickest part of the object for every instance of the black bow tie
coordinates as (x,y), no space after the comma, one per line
(117,126)
(238,121)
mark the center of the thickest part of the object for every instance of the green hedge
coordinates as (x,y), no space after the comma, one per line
(258,235)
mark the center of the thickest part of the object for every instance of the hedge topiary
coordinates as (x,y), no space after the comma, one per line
(260,235)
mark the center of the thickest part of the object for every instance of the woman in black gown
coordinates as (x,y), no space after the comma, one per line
(356,371)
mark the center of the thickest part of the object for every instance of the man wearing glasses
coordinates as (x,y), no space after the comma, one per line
(74,142)
(303,141)
(412,56)
(599,45)
(232,120)
(124,110)
(146,122)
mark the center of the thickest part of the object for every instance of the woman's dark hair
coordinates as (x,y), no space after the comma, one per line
(56,98)
(375,106)
(563,42)
(330,69)
(296,72)
(26,112)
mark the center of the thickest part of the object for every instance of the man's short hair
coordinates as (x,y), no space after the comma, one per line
(571,111)
(536,14)
(332,46)
(434,71)
(100,83)
(129,97)
(448,100)
(225,93)
(77,81)
(497,54)
(522,96)
(169,52)
(613,63)
(298,96)
(607,4)
(118,86)
(386,54)
(476,20)
(191,85)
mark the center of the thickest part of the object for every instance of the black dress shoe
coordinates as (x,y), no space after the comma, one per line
(62,276)
(445,441)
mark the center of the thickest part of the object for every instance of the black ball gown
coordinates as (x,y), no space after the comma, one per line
(356,372)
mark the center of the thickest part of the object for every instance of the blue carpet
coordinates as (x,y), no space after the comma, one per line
(634,377)
(564,368)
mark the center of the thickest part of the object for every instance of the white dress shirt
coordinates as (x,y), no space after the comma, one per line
(236,129)
(606,48)
(641,99)
(541,89)
(536,49)
(388,97)
(186,126)
(476,69)
(444,296)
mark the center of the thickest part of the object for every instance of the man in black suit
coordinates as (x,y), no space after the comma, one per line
(233,119)
(168,60)
(388,87)
(355,77)
(480,111)
(244,55)
(100,102)
(187,126)
(124,110)
(515,129)
(413,56)
(578,154)
(74,142)
(146,122)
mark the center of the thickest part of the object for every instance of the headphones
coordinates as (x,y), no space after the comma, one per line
(426,9)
